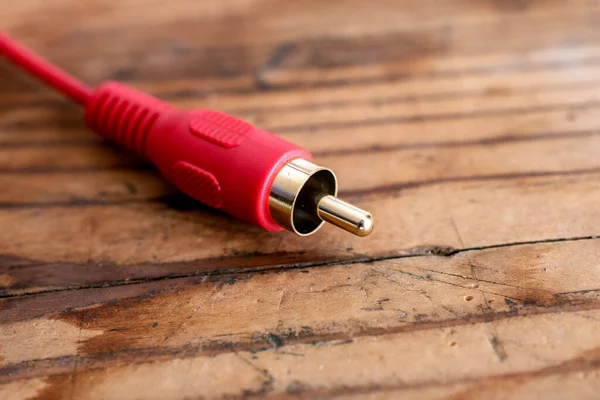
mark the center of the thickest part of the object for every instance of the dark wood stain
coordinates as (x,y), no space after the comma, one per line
(496,177)
(245,59)
(510,5)
(60,384)
(100,352)
(61,275)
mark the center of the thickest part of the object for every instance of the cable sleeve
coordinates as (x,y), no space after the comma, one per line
(44,70)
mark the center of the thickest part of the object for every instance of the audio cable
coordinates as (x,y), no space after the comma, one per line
(218,159)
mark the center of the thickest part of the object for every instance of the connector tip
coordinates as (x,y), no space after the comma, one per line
(346,216)
(365,226)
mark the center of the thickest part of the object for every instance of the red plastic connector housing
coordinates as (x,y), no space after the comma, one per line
(218,159)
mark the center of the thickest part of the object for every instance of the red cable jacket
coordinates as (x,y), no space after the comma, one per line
(42,69)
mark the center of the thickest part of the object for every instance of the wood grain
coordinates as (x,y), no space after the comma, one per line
(469,128)
(474,309)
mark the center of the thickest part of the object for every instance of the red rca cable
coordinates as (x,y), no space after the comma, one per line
(213,157)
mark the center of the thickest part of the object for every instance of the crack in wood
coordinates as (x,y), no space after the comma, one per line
(276,268)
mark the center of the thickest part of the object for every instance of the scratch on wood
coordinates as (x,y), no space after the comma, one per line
(267,383)
(77,356)
(174,331)
(498,348)
(378,305)
(275,60)
(434,250)
(451,216)
(280,300)
(274,340)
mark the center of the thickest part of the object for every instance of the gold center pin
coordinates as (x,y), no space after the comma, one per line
(302,198)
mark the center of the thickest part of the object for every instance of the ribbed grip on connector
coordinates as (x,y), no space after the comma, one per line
(123,115)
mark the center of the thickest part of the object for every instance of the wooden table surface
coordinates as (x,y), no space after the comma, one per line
(471,130)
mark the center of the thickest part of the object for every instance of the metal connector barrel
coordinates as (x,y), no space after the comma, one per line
(302,197)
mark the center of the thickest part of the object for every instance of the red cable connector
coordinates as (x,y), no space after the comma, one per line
(213,157)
